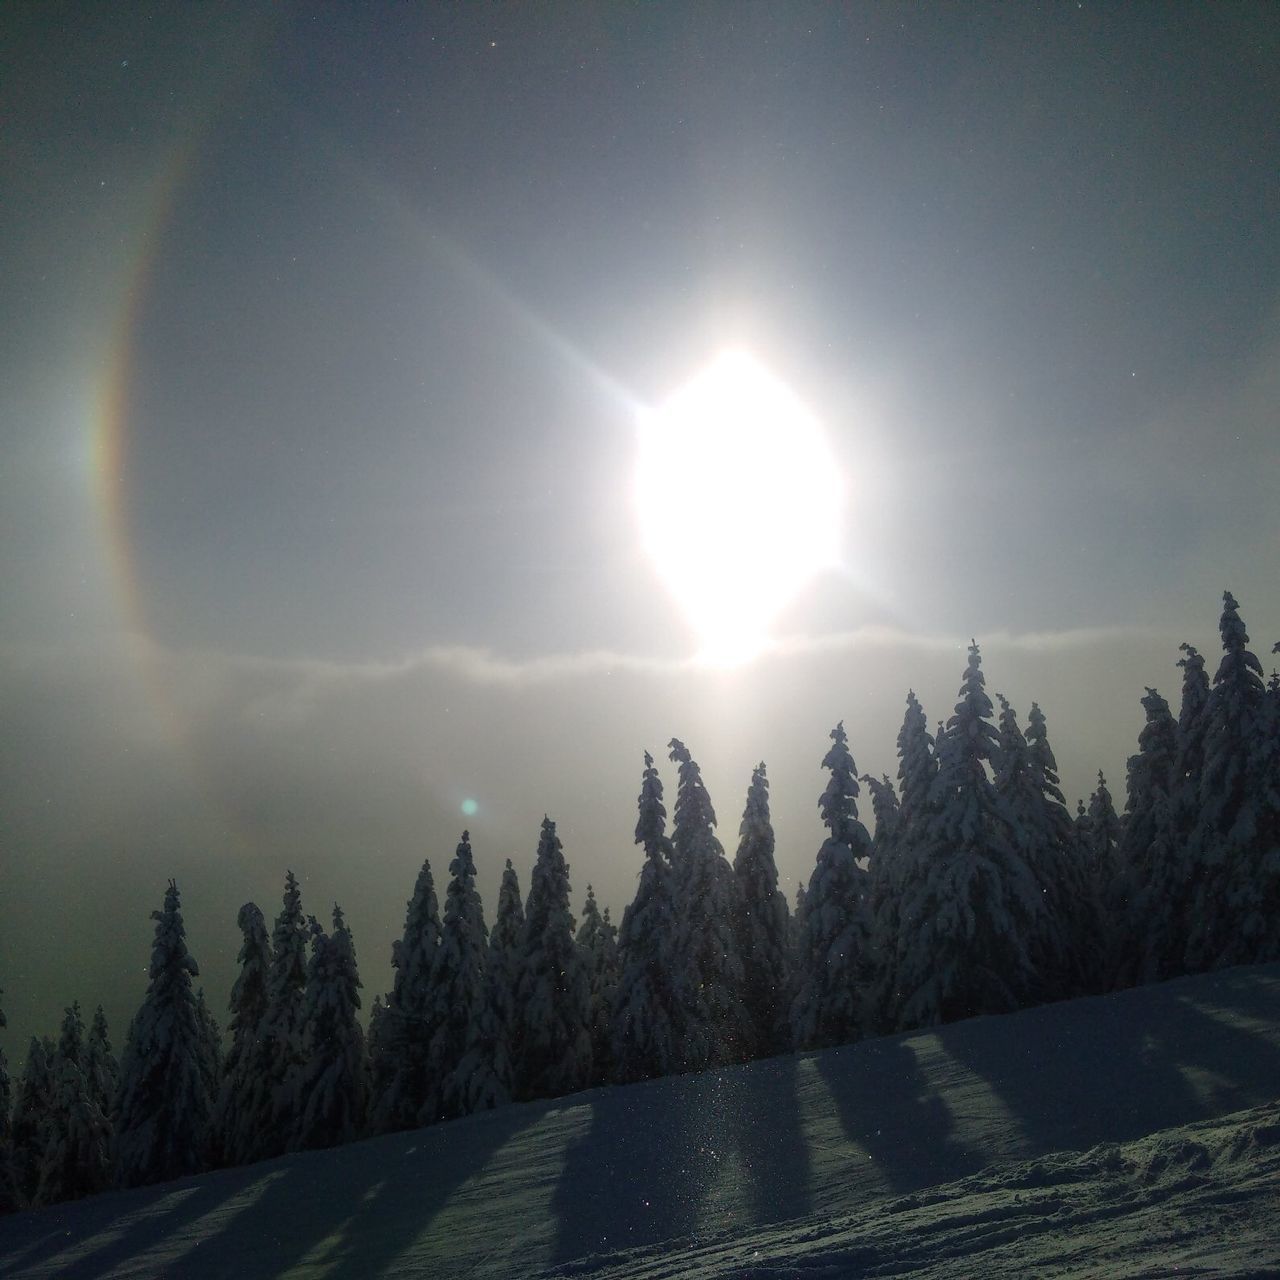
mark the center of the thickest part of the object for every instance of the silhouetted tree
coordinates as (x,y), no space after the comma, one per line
(553,1003)
(1146,827)
(30,1116)
(763,927)
(1037,835)
(970,903)
(1235,843)
(244,1102)
(833,962)
(166,1104)
(403,1083)
(75,1159)
(598,947)
(707,969)
(486,1076)
(333,1082)
(457,984)
(284,1024)
(645,1016)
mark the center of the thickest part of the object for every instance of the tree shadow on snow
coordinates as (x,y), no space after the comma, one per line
(763,1115)
(1111,1070)
(414,1183)
(637,1175)
(126,1224)
(713,1152)
(888,1107)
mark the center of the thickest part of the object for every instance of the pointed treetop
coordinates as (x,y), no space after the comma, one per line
(838,803)
(693,804)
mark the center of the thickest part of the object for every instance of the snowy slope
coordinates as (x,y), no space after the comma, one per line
(1129,1135)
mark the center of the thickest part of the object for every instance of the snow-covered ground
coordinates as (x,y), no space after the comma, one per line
(1132,1135)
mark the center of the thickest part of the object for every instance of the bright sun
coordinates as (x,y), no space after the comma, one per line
(739,501)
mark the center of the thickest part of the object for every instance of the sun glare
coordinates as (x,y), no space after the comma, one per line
(739,503)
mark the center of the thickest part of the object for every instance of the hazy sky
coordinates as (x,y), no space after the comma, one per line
(326,329)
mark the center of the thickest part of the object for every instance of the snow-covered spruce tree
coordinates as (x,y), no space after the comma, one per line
(831,1003)
(917,768)
(283,1025)
(1235,843)
(1144,831)
(1037,834)
(244,1104)
(402,1080)
(1099,846)
(707,969)
(797,927)
(458,986)
(1173,874)
(763,926)
(553,1001)
(645,1017)
(76,1157)
(1070,897)
(485,1078)
(30,1116)
(166,1106)
(970,902)
(882,898)
(333,1081)
(210,1052)
(598,946)
(101,1068)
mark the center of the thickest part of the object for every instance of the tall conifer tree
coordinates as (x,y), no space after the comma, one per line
(1037,833)
(1149,776)
(284,1024)
(399,1052)
(1069,898)
(645,1016)
(75,1159)
(554,995)
(244,1102)
(101,1067)
(166,1105)
(598,946)
(457,983)
(833,964)
(486,1076)
(708,971)
(333,1080)
(917,769)
(1235,843)
(31,1111)
(970,902)
(763,927)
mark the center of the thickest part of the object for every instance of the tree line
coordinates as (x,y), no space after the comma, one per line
(979,893)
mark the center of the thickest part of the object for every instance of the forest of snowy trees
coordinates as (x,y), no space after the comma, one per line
(978,893)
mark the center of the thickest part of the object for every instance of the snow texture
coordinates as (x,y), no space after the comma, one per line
(1134,1134)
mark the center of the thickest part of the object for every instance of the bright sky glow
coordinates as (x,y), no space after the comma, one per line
(739,502)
